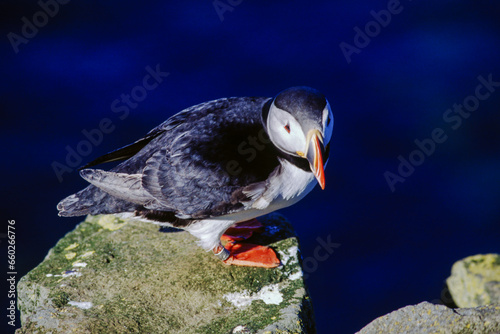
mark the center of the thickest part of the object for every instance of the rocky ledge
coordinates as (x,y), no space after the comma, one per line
(426,318)
(115,276)
(474,285)
(475,280)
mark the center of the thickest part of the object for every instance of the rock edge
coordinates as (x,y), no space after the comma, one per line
(111,276)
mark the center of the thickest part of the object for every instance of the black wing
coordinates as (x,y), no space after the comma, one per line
(130,150)
(197,164)
(124,152)
(203,167)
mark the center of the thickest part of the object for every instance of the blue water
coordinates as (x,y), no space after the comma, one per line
(392,248)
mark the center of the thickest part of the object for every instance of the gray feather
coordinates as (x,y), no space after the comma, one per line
(93,201)
(120,185)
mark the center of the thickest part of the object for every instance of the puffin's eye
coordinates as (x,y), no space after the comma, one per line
(287,128)
(328,121)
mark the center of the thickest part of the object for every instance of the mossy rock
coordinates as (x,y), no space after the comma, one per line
(115,276)
(426,318)
(475,280)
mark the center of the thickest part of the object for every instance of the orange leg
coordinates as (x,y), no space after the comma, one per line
(243,230)
(245,254)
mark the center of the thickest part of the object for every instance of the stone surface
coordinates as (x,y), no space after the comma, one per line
(475,280)
(429,318)
(114,276)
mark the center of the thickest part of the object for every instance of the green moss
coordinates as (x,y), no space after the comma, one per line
(59,298)
(30,328)
(58,262)
(123,316)
(140,280)
(251,317)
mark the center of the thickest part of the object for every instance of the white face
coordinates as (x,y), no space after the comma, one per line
(288,135)
(285,131)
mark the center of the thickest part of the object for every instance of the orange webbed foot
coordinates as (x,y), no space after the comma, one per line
(250,255)
(245,254)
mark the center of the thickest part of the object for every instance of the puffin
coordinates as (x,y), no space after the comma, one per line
(214,167)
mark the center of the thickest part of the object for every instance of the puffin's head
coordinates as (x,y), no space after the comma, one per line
(300,123)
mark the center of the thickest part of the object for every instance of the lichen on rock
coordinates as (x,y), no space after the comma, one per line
(437,319)
(474,286)
(475,280)
(126,276)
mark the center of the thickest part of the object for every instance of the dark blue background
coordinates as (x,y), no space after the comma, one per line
(396,248)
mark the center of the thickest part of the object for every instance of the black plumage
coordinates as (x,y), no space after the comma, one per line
(215,164)
(194,164)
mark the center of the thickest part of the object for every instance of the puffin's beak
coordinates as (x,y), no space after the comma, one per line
(315,156)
